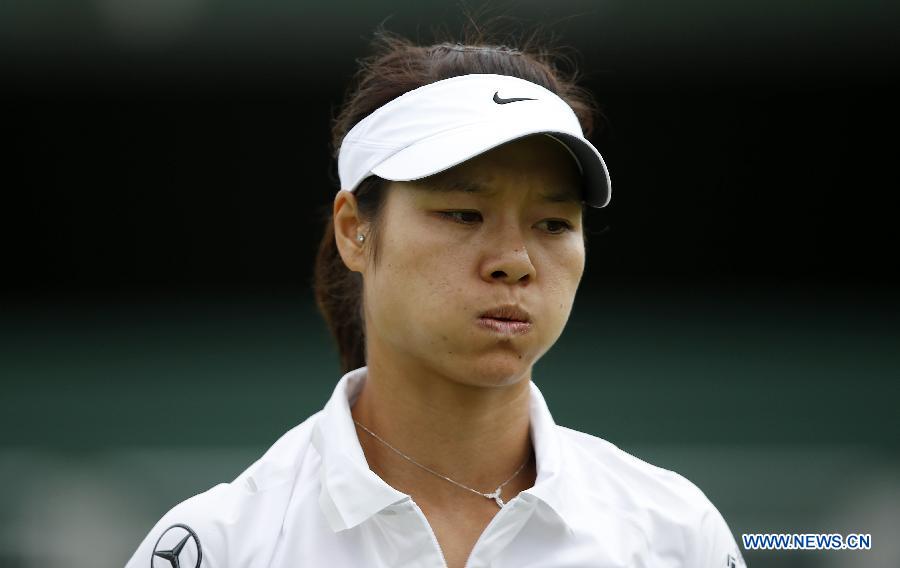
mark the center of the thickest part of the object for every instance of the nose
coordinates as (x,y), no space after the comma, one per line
(507,259)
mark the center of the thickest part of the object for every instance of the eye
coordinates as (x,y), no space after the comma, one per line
(555,226)
(463,217)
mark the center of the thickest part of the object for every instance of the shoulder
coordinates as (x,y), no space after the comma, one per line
(629,478)
(664,506)
(233,519)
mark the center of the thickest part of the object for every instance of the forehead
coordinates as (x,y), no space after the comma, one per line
(537,164)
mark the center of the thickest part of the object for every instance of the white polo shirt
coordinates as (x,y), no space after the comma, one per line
(312,500)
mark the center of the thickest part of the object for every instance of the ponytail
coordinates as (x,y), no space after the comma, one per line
(338,290)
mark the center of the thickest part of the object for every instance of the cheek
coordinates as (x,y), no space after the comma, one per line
(418,277)
(565,268)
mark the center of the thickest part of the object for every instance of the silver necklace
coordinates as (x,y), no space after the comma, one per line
(495,494)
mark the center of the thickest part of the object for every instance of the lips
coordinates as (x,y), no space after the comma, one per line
(507,312)
(505,320)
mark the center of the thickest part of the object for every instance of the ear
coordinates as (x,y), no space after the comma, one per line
(347,227)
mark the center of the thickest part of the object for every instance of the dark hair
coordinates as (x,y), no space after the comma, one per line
(395,67)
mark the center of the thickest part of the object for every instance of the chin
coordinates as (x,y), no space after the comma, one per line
(498,369)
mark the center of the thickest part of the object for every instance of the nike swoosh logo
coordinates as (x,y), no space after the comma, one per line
(500,101)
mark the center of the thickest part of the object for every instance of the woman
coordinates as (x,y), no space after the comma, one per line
(448,268)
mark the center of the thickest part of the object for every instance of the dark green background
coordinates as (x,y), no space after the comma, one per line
(782,411)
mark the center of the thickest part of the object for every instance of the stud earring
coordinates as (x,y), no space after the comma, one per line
(360,237)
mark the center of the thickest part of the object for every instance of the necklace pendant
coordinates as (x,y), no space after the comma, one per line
(495,495)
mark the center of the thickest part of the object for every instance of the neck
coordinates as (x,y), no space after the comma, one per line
(475,435)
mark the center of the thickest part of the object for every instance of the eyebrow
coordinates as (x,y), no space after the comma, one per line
(439,185)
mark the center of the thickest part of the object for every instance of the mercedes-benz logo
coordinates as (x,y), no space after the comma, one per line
(177,547)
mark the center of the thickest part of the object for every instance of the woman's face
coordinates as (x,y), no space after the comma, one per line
(456,250)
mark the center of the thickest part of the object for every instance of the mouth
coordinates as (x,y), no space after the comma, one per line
(508,312)
(505,320)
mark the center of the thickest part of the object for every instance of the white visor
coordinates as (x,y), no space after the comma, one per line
(435,127)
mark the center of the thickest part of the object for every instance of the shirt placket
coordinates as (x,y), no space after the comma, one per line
(500,532)
(411,541)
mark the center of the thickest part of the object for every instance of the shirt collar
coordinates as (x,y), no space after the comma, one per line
(550,485)
(351,492)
